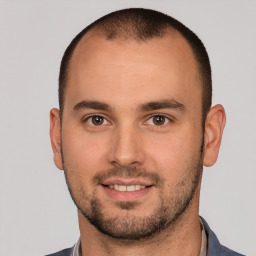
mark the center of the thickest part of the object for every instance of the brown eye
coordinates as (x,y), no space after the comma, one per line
(159,120)
(97,120)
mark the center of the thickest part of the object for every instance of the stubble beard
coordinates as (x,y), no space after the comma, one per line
(129,227)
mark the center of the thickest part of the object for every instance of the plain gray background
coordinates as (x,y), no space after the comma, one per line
(37,215)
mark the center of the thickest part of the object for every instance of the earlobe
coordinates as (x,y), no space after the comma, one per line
(214,126)
(55,134)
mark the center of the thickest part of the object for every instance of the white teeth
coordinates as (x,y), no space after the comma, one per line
(126,188)
(130,188)
(138,187)
(121,188)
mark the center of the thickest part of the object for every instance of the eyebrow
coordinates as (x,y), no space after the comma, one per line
(92,105)
(168,103)
(153,105)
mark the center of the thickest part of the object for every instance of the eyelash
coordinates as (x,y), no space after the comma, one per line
(94,115)
(168,119)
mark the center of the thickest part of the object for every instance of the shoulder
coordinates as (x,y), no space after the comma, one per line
(215,248)
(65,252)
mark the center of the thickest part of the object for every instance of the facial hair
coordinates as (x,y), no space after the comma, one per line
(171,206)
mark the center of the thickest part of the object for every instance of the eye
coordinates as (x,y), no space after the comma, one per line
(96,120)
(158,120)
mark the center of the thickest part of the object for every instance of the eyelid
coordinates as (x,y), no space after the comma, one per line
(87,117)
(170,119)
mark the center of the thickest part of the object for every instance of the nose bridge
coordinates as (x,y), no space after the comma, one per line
(127,148)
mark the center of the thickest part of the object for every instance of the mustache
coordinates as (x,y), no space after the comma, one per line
(128,172)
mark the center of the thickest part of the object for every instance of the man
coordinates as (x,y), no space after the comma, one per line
(134,129)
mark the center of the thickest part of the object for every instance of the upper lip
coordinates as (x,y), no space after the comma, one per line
(127,182)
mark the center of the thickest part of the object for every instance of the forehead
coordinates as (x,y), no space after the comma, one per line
(153,67)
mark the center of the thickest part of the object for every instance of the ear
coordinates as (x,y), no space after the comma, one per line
(55,134)
(214,126)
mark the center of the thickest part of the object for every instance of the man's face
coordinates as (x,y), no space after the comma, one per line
(132,121)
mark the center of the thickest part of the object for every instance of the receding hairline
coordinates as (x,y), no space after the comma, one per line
(99,33)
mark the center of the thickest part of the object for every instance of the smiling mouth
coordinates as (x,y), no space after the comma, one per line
(123,188)
(125,191)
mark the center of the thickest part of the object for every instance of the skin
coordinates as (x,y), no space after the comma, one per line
(126,75)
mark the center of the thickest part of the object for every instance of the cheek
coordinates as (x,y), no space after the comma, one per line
(85,152)
(172,154)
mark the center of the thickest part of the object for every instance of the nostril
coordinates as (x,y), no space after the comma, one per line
(123,164)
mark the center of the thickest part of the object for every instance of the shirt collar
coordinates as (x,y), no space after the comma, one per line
(77,249)
(203,251)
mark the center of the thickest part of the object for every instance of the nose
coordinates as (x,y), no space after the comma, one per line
(126,147)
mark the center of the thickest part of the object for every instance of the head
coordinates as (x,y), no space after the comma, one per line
(135,98)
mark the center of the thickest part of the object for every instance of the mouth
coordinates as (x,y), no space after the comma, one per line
(126,190)
(123,188)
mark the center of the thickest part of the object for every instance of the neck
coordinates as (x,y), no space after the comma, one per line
(181,238)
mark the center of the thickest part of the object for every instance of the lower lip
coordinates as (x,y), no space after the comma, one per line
(126,195)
